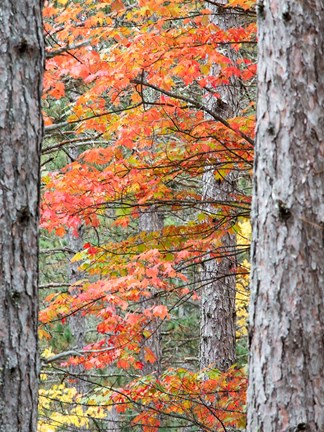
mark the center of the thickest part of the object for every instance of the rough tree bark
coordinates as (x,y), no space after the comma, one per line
(151,221)
(21,70)
(286,390)
(217,327)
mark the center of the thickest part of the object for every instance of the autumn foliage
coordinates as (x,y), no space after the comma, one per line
(131,85)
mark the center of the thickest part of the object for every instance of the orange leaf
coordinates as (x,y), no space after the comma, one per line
(161,311)
(117,5)
(123,364)
(149,355)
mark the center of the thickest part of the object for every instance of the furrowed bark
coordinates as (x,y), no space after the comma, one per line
(21,130)
(218,316)
(286,390)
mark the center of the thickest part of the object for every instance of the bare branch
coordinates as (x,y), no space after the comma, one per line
(54,285)
(59,356)
(66,49)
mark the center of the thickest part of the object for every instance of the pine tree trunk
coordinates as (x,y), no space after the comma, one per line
(21,70)
(286,390)
(218,317)
(217,325)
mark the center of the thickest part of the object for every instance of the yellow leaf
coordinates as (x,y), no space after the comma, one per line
(77,257)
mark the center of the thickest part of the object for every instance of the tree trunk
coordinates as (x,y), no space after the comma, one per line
(77,321)
(217,327)
(21,70)
(286,390)
(151,221)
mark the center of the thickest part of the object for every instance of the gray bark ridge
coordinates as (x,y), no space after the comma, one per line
(21,130)
(218,314)
(286,385)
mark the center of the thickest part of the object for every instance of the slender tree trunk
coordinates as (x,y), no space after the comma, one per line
(218,317)
(151,221)
(21,70)
(77,321)
(286,390)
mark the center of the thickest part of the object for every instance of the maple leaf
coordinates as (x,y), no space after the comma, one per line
(149,148)
(161,311)
(149,356)
(117,5)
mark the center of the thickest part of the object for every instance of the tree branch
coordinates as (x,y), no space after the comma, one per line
(53,127)
(66,49)
(59,356)
(197,105)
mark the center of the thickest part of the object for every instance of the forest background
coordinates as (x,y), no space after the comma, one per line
(146,184)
